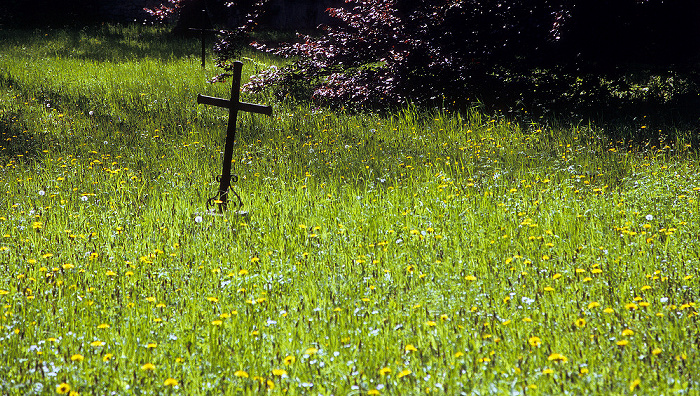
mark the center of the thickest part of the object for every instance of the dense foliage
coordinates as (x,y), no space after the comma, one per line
(164,11)
(385,52)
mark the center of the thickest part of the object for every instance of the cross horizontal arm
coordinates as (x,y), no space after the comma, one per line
(241,106)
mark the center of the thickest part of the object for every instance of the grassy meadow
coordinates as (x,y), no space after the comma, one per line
(414,253)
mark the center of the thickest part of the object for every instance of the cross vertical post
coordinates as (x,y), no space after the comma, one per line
(202,34)
(204,54)
(233,105)
(225,181)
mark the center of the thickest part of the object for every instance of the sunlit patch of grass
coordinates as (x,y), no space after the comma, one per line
(421,251)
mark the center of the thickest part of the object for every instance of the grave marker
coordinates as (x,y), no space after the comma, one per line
(202,33)
(233,105)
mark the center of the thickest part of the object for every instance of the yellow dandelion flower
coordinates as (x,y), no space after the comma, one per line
(548,371)
(631,306)
(580,322)
(410,348)
(289,360)
(403,373)
(430,323)
(148,367)
(103,326)
(557,357)
(627,332)
(534,341)
(656,351)
(593,304)
(107,357)
(384,371)
(62,388)
(171,382)
(548,289)
(97,344)
(470,277)
(217,323)
(459,354)
(310,351)
(622,343)
(241,374)
(151,345)
(279,372)
(608,310)
(213,299)
(373,392)
(243,272)
(634,384)
(111,273)
(77,358)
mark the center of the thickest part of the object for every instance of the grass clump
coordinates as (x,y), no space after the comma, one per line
(418,252)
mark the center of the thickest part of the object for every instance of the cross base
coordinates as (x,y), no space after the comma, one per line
(236,213)
(221,198)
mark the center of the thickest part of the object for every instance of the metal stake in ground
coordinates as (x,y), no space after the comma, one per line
(233,105)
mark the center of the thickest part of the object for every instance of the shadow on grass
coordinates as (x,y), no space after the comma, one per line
(15,140)
(106,42)
(634,104)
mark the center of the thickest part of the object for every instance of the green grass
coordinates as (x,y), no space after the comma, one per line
(427,251)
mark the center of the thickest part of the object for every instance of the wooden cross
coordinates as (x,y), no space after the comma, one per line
(233,105)
(202,33)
